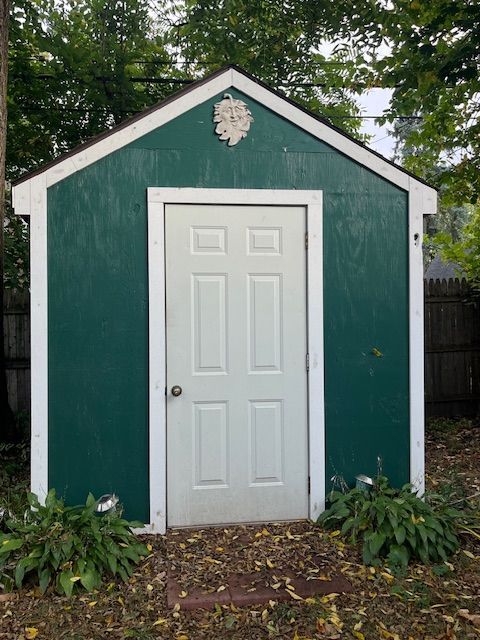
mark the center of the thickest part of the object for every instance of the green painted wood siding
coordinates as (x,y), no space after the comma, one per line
(98,299)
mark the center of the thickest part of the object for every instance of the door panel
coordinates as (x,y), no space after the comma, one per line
(236,344)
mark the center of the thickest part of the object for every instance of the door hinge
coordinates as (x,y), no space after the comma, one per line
(306,241)
(307,361)
(309,484)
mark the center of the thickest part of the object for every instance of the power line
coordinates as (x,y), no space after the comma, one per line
(134,112)
(141,79)
(167,80)
(175,63)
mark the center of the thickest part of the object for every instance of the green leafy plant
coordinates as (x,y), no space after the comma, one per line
(67,547)
(394,524)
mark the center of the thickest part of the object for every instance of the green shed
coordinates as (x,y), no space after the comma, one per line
(227,311)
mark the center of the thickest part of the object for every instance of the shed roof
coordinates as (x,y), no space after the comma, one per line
(196,93)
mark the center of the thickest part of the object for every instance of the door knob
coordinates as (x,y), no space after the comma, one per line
(176,390)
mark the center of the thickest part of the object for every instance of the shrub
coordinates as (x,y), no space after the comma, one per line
(394,524)
(69,547)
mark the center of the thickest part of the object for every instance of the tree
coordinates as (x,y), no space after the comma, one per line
(272,40)
(465,252)
(450,218)
(432,63)
(73,71)
(6,416)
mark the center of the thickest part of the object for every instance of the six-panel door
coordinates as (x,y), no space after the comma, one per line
(236,347)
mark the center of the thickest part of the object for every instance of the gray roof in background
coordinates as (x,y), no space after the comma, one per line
(440,270)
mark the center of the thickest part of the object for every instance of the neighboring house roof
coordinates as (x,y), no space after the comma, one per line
(198,92)
(440,270)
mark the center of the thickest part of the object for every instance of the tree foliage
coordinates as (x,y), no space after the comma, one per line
(72,71)
(273,40)
(17,258)
(465,252)
(450,218)
(432,62)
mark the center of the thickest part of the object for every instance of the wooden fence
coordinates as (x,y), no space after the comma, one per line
(452,350)
(17,348)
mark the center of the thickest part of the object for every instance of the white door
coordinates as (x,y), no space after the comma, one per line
(236,345)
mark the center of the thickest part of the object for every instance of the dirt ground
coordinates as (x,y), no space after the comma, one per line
(427,603)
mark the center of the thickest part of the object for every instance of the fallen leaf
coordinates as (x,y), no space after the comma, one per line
(31,633)
(159,621)
(474,618)
(294,595)
(7,596)
(329,596)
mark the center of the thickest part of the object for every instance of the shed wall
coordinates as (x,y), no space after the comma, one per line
(98,299)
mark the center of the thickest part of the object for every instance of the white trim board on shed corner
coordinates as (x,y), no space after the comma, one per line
(157,199)
(197,94)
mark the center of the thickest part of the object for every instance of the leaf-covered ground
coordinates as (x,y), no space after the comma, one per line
(436,602)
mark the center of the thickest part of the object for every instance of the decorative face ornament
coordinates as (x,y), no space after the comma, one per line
(233,119)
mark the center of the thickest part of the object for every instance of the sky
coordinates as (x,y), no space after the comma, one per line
(373,103)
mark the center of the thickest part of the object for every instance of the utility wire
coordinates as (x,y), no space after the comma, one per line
(133,112)
(166,80)
(174,63)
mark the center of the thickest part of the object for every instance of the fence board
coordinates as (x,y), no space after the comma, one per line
(17,348)
(452,350)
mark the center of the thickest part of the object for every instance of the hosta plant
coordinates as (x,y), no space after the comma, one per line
(70,548)
(393,524)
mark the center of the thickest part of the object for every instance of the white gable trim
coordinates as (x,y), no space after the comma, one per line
(22,193)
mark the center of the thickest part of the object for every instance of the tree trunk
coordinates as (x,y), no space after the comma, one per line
(7,422)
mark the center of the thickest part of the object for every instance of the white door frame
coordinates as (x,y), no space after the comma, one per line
(157,198)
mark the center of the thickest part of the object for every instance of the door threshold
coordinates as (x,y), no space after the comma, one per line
(250,523)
